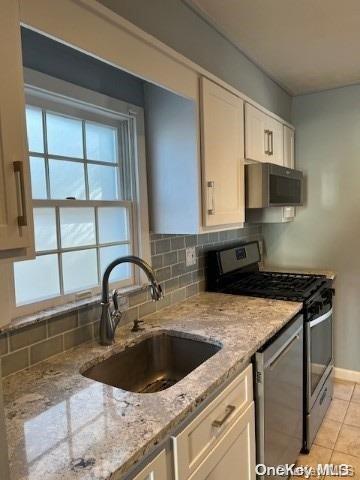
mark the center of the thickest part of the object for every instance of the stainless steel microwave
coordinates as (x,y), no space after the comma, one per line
(269,185)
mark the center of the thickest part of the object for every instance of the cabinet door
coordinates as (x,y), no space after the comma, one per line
(222,129)
(289,161)
(234,457)
(257,141)
(289,147)
(16,235)
(155,470)
(276,150)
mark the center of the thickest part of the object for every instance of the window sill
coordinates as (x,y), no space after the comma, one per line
(43,315)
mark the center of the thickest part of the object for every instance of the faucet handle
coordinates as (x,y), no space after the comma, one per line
(156,291)
(115,299)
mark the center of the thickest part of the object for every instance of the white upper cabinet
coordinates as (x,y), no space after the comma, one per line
(16,233)
(289,161)
(275,135)
(263,136)
(257,141)
(222,141)
(289,147)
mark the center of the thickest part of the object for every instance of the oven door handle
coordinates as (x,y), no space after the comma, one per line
(283,349)
(321,319)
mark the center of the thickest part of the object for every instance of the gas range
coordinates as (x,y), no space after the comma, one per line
(281,286)
(235,270)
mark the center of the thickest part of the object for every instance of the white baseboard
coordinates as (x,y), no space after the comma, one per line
(349,375)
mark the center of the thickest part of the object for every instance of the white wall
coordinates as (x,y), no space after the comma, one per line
(177,25)
(326,233)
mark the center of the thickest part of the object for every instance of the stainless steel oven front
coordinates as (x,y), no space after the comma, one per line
(319,354)
(318,370)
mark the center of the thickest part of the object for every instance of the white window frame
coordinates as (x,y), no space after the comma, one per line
(51,93)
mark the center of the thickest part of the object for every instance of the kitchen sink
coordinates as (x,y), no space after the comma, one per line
(154,364)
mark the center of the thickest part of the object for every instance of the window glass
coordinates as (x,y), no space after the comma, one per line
(34,128)
(103,182)
(113,224)
(77,226)
(64,136)
(37,279)
(38,178)
(67,180)
(108,254)
(79,270)
(45,229)
(101,142)
(80,222)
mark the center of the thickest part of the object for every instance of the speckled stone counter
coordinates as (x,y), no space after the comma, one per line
(62,425)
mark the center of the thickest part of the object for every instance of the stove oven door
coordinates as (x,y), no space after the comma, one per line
(319,354)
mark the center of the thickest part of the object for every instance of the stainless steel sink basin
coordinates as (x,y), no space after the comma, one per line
(154,364)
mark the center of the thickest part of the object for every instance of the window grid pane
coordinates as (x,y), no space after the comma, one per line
(98,254)
(110,160)
(104,153)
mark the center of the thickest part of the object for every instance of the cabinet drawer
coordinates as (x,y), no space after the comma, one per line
(194,443)
(234,457)
(155,470)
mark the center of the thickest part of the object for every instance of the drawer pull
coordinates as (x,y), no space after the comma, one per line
(228,412)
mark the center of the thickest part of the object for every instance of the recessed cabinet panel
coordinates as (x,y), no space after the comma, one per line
(197,443)
(257,139)
(263,137)
(222,132)
(155,470)
(16,233)
(289,147)
(289,161)
(234,456)
(275,134)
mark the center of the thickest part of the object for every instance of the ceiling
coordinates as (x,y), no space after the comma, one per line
(304,45)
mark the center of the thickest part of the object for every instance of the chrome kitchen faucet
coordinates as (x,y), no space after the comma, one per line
(110,319)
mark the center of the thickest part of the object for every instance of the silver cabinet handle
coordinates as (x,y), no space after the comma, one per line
(211,190)
(266,142)
(271,137)
(19,171)
(228,412)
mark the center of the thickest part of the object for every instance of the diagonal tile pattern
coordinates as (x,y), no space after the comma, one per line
(338,440)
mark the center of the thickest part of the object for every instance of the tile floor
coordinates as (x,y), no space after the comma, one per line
(338,440)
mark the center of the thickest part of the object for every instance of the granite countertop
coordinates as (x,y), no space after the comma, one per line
(62,425)
(314,271)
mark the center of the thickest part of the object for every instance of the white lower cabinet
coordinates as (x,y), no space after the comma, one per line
(234,457)
(220,442)
(155,470)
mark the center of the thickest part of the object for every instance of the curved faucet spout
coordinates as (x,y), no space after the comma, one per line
(109,321)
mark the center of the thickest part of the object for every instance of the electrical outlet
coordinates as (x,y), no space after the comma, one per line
(190,256)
